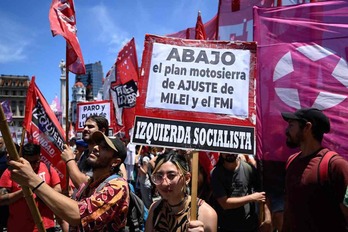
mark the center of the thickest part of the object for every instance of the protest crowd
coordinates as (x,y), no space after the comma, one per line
(230,195)
(211,177)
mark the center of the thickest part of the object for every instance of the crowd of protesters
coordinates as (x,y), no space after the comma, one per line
(104,169)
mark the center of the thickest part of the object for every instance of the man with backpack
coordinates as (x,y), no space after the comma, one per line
(101,203)
(316,179)
(236,191)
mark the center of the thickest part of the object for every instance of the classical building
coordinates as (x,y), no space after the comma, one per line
(78,95)
(13,88)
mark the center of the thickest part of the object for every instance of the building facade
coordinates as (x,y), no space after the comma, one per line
(13,88)
(78,95)
(93,77)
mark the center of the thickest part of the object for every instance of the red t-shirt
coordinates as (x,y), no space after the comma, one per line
(310,206)
(20,218)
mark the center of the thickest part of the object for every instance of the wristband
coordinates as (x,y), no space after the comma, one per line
(66,162)
(38,186)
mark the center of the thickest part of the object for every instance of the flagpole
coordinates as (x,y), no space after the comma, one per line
(66,189)
(194,185)
(12,151)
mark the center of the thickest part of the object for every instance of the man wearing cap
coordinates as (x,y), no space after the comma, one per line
(81,172)
(102,202)
(311,205)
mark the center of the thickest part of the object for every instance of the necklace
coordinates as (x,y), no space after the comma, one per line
(179,204)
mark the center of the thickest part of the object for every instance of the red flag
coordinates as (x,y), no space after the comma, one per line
(190,33)
(42,126)
(124,88)
(302,63)
(208,160)
(63,22)
(200,30)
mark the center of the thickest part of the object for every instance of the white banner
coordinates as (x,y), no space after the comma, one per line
(92,108)
(209,80)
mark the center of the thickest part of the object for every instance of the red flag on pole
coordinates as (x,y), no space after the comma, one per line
(200,30)
(42,126)
(63,22)
(124,89)
(190,33)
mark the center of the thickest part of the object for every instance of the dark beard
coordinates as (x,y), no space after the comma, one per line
(96,165)
(293,142)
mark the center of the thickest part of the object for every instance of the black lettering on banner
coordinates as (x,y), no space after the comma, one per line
(203,56)
(193,135)
(126,94)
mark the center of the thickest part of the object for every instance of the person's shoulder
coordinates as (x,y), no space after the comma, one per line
(337,161)
(146,158)
(155,204)
(43,167)
(206,208)
(5,175)
(207,214)
(217,171)
(117,180)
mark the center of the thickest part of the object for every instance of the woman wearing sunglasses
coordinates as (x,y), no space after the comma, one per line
(172,212)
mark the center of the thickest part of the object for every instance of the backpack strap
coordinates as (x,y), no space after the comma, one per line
(101,185)
(291,158)
(324,167)
(248,170)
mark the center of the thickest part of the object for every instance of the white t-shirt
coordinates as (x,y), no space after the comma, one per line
(130,159)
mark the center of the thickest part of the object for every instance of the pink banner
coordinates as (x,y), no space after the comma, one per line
(302,63)
(237,24)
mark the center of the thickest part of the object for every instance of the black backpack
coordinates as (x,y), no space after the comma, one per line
(137,212)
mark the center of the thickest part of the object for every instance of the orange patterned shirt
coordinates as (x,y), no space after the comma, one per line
(105,209)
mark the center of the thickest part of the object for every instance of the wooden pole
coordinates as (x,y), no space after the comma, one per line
(12,151)
(194,186)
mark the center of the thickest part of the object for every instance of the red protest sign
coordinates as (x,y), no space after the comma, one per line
(197,95)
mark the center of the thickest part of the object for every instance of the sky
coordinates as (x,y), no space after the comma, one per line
(27,46)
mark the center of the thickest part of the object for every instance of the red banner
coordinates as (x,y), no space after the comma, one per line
(124,89)
(197,94)
(63,22)
(302,63)
(200,30)
(42,126)
(190,33)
